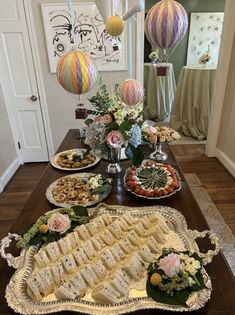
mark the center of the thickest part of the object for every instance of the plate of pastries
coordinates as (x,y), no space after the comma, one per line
(74,160)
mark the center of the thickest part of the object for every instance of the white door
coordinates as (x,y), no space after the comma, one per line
(19,83)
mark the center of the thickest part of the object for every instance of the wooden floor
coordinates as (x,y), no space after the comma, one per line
(219,184)
(16,194)
(217,181)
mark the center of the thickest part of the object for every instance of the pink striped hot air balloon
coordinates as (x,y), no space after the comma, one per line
(166,24)
(131,92)
(76,72)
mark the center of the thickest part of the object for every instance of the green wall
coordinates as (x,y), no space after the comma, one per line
(179,56)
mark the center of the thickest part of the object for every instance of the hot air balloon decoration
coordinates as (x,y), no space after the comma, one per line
(165,26)
(76,72)
(131,92)
(114,25)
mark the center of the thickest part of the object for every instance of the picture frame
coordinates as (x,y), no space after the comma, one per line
(88,32)
(205,31)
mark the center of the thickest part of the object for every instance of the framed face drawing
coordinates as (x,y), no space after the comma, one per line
(83,28)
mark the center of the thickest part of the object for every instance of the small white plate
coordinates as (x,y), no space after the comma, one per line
(54,160)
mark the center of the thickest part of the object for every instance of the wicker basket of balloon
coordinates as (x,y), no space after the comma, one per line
(161,69)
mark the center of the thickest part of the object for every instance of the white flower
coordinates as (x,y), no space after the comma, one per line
(192,265)
(191,281)
(95,181)
(71,155)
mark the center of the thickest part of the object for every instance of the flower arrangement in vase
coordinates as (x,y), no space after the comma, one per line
(205,58)
(154,56)
(115,125)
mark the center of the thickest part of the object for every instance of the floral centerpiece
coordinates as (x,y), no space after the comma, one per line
(174,276)
(115,125)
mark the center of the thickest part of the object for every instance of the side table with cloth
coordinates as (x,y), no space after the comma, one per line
(159,92)
(192,105)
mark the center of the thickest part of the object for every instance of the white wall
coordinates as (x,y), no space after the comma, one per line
(8,158)
(221,140)
(226,141)
(61,105)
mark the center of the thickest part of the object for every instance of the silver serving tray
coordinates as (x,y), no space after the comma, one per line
(52,200)
(19,300)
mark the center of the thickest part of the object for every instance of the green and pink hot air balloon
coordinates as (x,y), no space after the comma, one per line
(76,72)
(165,25)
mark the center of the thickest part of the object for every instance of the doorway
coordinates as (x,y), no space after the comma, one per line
(19,84)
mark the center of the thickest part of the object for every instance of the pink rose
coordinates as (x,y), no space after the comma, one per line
(105,119)
(115,139)
(170,265)
(58,223)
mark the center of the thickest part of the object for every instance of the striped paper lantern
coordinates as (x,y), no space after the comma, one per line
(76,72)
(131,92)
(114,25)
(166,24)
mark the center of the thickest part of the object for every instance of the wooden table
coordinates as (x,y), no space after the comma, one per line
(222,301)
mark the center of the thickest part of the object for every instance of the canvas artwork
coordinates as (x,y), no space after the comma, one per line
(205,30)
(88,32)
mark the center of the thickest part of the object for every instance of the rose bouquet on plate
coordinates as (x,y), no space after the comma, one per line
(174,276)
(54,225)
(114,126)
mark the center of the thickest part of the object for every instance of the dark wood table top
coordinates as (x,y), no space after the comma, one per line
(222,301)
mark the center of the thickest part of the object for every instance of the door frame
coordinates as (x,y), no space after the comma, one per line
(135,25)
(221,79)
(39,76)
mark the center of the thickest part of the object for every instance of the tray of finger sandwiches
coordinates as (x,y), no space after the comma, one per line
(101,266)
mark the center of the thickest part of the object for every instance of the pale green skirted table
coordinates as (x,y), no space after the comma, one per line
(192,105)
(159,92)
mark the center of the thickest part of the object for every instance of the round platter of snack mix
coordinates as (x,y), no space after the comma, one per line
(74,160)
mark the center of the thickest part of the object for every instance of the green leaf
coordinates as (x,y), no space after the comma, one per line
(102,189)
(36,239)
(179,298)
(26,229)
(125,126)
(80,211)
(112,126)
(88,121)
(125,136)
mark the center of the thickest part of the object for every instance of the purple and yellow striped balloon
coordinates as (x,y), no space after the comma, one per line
(76,72)
(131,92)
(166,24)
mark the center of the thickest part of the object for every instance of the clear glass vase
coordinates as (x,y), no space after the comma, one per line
(158,154)
(114,158)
